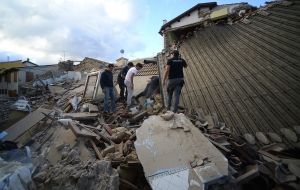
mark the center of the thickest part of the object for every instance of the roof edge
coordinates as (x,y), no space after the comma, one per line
(199,5)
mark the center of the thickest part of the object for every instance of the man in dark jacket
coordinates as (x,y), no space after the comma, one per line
(121,78)
(106,83)
(174,74)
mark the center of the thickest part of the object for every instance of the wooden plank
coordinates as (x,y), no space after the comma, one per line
(107,129)
(81,116)
(99,155)
(25,124)
(76,130)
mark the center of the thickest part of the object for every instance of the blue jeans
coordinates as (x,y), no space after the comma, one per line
(174,87)
(109,93)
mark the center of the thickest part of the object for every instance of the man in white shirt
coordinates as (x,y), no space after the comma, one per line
(129,81)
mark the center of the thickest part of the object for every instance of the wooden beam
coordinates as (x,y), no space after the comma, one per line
(96,150)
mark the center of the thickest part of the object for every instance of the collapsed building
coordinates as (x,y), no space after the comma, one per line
(238,126)
(245,68)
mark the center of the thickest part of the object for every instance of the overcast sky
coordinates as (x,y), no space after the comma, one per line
(47,31)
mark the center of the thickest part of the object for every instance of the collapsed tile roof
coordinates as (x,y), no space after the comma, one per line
(87,64)
(148,69)
(249,74)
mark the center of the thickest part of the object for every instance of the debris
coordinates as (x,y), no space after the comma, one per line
(263,13)
(81,116)
(275,137)
(249,138)
(68,174)
(21,105)
(262,138)
(74,102)
(81,132)
(289,134)
(109,149)
(139,117)
(166,153)
(96,150)
(297,129)
(168,115)
(252,172)
(180,122)
(92,108)
(25,124)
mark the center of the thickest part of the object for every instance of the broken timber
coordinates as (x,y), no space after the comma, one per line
(81,116)
(25,124)
(81,133)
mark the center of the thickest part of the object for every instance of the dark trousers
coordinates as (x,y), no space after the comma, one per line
(123,90)
(109,94)
(174,88)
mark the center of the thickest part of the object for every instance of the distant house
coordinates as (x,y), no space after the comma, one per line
(9,77)
(29,73)
(28,63)
(16,73)
(87,64)
(121,62)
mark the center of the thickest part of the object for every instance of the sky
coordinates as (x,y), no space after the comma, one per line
(49,31)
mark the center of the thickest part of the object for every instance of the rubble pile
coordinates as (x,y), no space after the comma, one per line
(76,140)
(252,159)
(72,173)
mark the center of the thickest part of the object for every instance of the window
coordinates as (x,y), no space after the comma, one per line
(29,76)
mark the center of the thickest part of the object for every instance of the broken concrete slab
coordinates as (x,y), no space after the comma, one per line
(167,153)
(25,124)
(81,116)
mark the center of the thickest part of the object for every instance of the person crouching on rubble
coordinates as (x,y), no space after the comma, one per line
(152,87)
(106,83)
(129,81)
(174,74)
(121,78)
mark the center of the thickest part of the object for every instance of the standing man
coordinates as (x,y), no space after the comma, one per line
(129,81)
(174,74)
(121,78)
(106,83)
